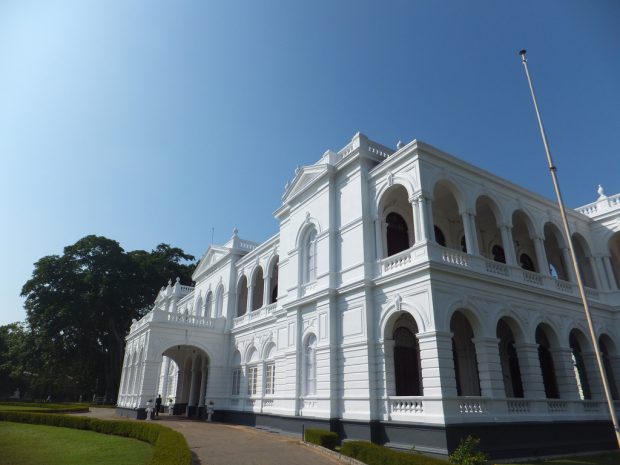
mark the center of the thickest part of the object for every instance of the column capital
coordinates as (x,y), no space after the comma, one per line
(526,346)
(486,341)
(434,335)
(505,225)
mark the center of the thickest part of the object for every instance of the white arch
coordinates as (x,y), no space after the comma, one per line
(395,307)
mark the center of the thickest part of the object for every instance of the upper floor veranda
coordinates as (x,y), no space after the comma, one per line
(368,213)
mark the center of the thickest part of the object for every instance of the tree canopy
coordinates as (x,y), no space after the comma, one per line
(79,308)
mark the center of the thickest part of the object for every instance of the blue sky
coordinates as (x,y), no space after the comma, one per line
(152,121)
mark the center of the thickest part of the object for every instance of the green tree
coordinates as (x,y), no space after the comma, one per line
(80,305)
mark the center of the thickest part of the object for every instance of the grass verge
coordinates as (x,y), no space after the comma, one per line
(27,444)
(170,446)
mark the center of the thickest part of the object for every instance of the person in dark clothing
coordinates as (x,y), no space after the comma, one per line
(157,405)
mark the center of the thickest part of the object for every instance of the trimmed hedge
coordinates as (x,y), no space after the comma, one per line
(373,454)
(170,446)
(322,438)
(43,407)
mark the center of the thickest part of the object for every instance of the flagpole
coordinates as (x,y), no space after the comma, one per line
(586,308)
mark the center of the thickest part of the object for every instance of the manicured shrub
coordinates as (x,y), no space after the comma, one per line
(170,447)
(467,453)
(43,407)
(322,438)
(373,454)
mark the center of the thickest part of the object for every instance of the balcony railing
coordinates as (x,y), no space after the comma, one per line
(255,315)
(468,409)
(421,253)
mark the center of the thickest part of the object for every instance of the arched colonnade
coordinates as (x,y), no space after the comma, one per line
(484,229)
(504,361)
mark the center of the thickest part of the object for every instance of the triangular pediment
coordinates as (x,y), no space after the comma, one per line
(213,255)
(303,179)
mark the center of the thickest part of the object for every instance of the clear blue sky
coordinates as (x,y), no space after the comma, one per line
(152,121)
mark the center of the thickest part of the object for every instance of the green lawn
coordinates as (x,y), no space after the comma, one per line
(37,407)
(24,444)
(609,458)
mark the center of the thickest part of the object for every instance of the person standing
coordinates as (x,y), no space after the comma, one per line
(157,405)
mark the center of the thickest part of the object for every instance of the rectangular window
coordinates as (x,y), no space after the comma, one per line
(236,381)
(270,378)
(252,375)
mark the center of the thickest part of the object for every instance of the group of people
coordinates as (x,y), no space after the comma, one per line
(158,408)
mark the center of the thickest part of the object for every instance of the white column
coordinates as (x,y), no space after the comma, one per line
(250,298)
(192,386)
(379,238)
(415,207)
(568,263)
(598,281)
(266,290)
(610,272)
(426,211)
(147,388)
(565,372)
(203,385)
(614,361)
(437,364)
(509,248)
(164,382)
(531,373)
(594,378)
(541,256)
(597,261)
(490,367)
(388,361)
(471,238)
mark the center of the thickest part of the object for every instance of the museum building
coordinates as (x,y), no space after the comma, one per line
(408,298)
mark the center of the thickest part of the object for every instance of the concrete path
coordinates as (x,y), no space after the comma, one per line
(223,444)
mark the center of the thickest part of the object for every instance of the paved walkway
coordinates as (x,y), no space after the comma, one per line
(223,444)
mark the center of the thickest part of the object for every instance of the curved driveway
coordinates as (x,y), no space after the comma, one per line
(224,444)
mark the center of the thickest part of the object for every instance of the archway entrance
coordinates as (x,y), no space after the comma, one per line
(183,380)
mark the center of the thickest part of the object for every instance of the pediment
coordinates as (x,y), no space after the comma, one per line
(213,255)
(303,179)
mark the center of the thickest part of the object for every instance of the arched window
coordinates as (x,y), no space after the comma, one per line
(463,244)
(236,374)
(242,296)
(579,367)
(309,364)
(309,257)
(546,364)
(270,370)
(439,237)
(604,345)
(209,305)
(511,370)
(526,262)
(397,234)
(498,254)
(464,355)
(219,301)
(259,288)
(273,292)
(406,358)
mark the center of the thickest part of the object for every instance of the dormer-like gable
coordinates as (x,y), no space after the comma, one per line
(304,178)
(212,256)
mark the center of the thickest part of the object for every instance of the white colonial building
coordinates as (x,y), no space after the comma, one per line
(409,298)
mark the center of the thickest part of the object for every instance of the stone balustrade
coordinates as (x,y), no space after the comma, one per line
(473,409)
(255,315)
(455,258)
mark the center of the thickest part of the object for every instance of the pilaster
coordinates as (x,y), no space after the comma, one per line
(490,367)
(437,364)
(531,374)
(565,372)
(541,257)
